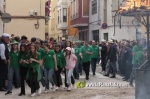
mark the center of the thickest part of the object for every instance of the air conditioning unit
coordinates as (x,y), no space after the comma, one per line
(33,13)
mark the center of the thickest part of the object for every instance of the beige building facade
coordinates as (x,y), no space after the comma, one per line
(53,23)
(28,18)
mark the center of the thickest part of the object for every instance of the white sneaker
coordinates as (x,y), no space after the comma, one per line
(73,86)
(68,89)
(39,91)
(53,88)
(57,89)
(34,94)
(46,91)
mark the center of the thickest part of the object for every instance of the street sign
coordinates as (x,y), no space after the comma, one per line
(6,18)
(104,26)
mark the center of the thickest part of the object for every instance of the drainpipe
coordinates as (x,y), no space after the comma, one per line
(99,16)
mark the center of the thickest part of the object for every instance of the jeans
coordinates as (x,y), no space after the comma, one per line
(132,76)
(103,64)
(111,66)
(76,70)
(42,75)
(49,77)
(114,68)
(13,71)
(72,79)
(86,67)
(23,73)
(68,75)
(58,77)
(93,64)
(80,65)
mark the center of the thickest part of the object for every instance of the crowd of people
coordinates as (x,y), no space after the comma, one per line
(37,61)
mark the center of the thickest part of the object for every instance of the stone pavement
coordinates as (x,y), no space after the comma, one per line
(104,92)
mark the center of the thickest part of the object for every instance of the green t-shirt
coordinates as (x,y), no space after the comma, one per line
(95,50)
(14,59)
(41,51)
(61,61)
(77,51)
(49,59)
(23,56)
(139,57)
(135,50)
(86,57)
(37,58)
(35,66)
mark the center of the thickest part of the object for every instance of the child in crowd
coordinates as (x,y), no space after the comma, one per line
(70,64)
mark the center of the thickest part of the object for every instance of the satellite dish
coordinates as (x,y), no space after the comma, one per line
(6,17)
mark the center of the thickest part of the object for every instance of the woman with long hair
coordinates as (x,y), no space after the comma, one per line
(50,65)
(61,63)
(14,67)
(69,44)
(70,64)
(23,61)
(34,73)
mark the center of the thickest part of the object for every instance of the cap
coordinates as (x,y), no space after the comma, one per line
(103,40)
(68,48)
(93,41)
(111,41)
(6,35)
(63,38)
(14,42)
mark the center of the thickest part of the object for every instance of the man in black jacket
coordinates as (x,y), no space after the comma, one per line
(4,57)
(103,55)
(112,58)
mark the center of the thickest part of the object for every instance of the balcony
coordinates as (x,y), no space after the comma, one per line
(63,26)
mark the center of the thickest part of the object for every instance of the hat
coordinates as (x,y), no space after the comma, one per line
(93,41)
(6,35)
(111,41)
(63,38)
(14,42)
(68,48)
(103,40)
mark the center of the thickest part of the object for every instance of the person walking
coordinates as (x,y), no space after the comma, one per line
(137,60)
(4,57)
(70,64)
(112,58)
(14,67)
(34,72)
(61,63)
(103,55)
(95,56)
(24,63)
(86,53)
(50,66)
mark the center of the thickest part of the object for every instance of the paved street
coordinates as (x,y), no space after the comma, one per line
(85,93)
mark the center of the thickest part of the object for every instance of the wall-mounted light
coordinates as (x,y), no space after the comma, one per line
(37,25)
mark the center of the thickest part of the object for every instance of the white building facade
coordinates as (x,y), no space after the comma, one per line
(63,16)
(2,4)
(101,22)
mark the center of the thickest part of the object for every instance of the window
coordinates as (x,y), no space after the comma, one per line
(94,6)
(60,15)
(64,14)
(85,8)
(106,36)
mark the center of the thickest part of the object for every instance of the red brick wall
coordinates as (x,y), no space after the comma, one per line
(80,19)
